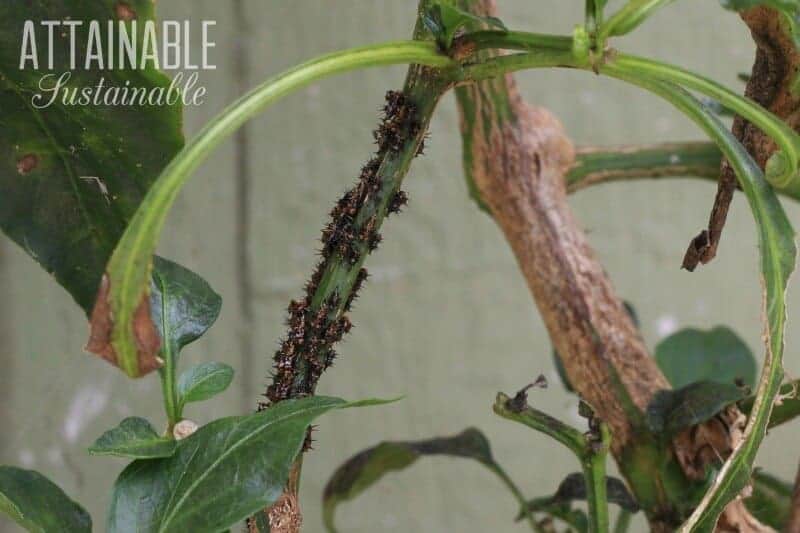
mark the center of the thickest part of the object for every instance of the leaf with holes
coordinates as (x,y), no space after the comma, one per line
(39,505)
(134,437)
(720,355)
(221,474)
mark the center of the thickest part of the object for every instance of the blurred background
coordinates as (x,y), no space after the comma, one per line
(446,319)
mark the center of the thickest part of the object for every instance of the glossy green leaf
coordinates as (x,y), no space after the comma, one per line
(367,467)
(204,381)
(39,505)
(445,20)
(771,500)
(719,355)
(72,176)
(220,475)
(673,410)
(183,305)
(134,437)
(790,9)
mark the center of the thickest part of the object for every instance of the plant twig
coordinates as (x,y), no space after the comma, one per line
(590,448)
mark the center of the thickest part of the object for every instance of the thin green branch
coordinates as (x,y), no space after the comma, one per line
(591,450)
(594,165)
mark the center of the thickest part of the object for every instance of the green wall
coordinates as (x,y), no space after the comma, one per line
(446,319)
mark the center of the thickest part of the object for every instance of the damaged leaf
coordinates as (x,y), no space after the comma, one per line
(367,467)
(71,177)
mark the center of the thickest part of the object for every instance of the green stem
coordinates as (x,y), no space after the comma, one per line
(591,454)
(128,268)
(168,371)
(595,165)
(594,471)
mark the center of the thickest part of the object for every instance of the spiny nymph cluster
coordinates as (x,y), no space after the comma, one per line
(318,321)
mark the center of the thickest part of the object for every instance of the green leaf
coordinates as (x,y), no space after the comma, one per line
(771,500)
(221,474)
(183,305)
(630,16)
(790,9)
(204,381)
(72,176)
(670,411)
(134,437)
(719,355)
(39,505)
(445,20)
(573,488)
(367,467)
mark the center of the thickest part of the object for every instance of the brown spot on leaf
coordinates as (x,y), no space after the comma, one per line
(146,337)
(124,11)
(27,164)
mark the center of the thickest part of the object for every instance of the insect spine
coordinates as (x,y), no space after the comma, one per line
(317,322)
